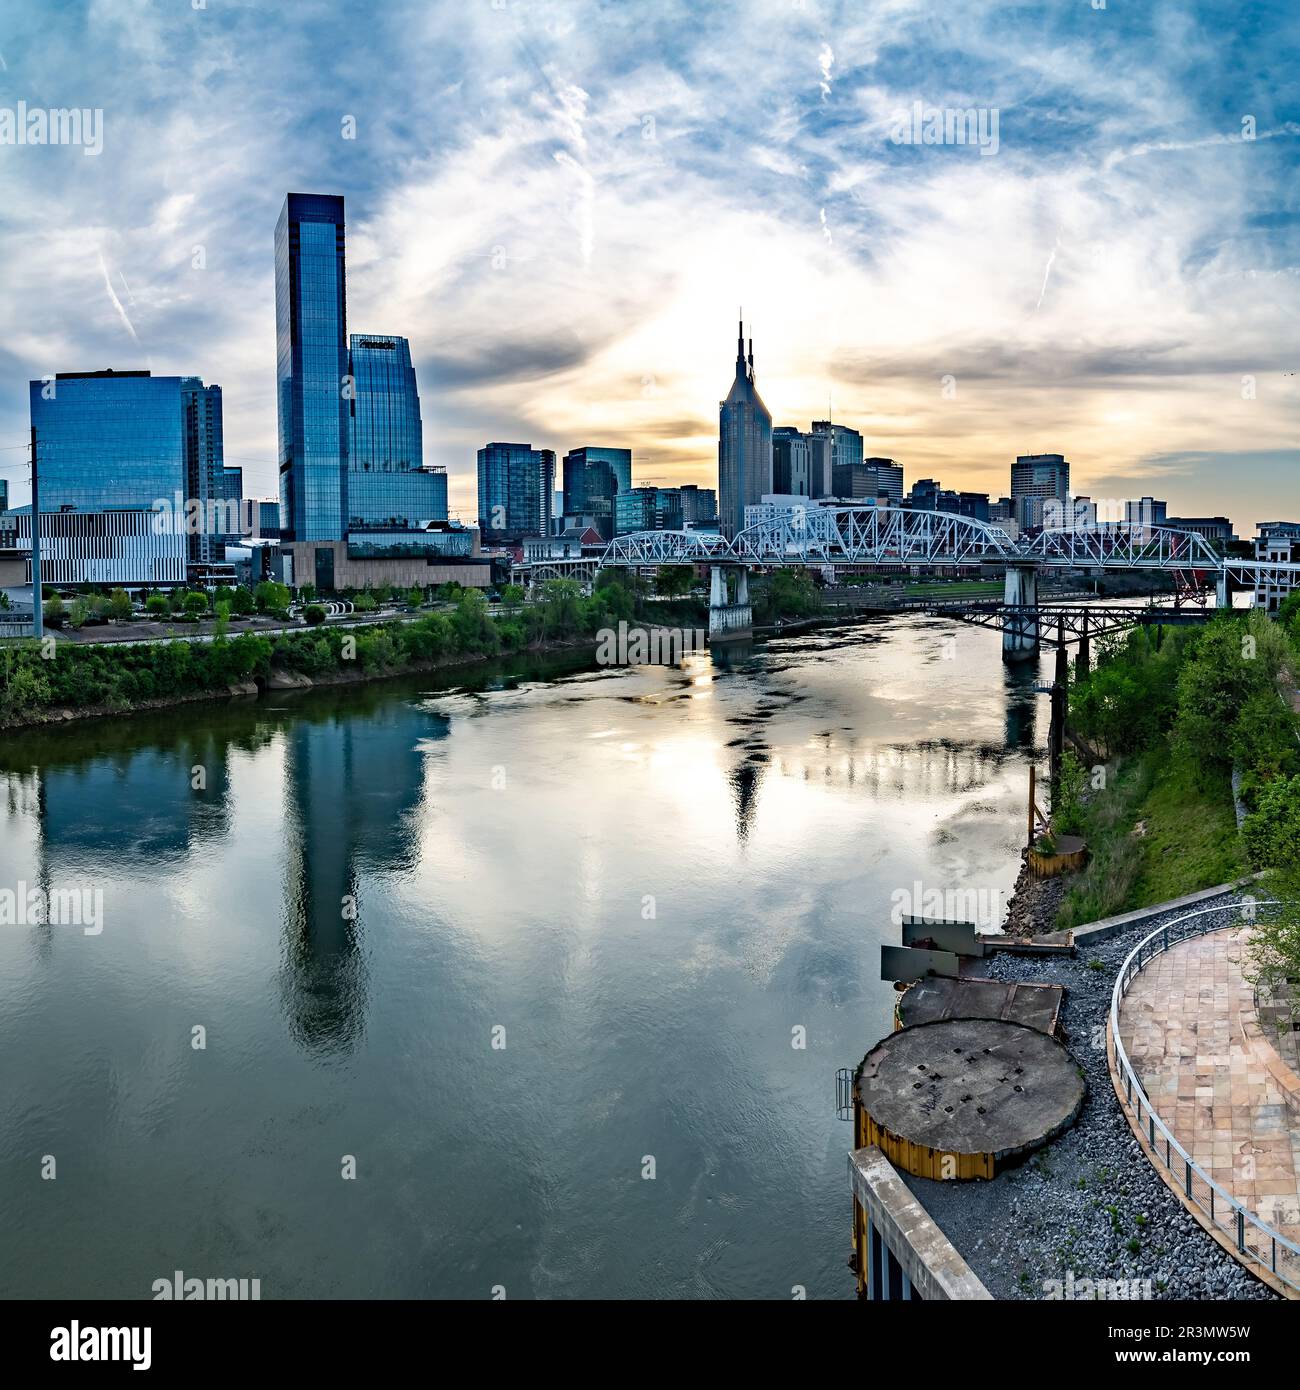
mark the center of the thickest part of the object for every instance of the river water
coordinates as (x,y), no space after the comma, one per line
(532,951)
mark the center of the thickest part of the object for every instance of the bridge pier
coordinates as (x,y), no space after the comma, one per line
(730,620)
(1222,594)
(1083,662)
(1020,634)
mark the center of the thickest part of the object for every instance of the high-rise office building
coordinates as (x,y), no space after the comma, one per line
(845,443)
(109,440)
(699,505)
(205,469)
(515,483)
(1037,479)
(4,494)
(312,366)
(594,475)
(648,509)
(885,478)
(387,486)
(924,496)
(792,462)
(235,515)
(744,444)
(119,442)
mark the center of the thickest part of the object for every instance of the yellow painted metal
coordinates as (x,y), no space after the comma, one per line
(919,1159)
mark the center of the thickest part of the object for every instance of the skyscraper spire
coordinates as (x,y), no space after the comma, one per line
(751,359)
(740,344)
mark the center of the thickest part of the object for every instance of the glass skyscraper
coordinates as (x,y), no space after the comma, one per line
(387,484)
(311,365)
(109,440)
(515,482)
(593,478)
(205,469)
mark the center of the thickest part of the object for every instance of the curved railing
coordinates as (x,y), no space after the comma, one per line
(1255,1241)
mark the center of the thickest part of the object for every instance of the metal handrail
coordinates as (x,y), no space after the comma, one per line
(1223,1209)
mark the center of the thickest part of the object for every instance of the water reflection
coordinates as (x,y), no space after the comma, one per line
(352,810)
(351,906)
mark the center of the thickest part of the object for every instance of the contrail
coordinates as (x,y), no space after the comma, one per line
(117,303)
(1047,271)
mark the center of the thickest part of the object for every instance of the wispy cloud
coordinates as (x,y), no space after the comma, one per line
(562,204)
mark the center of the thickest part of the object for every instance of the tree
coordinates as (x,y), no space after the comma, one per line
(241,601)
(560,607)
(315,615)
(119,606)
(158,605)
(415,596)
(306,592)
(271,597)
(672,581)
(196,603)
(512,598)
(53,611)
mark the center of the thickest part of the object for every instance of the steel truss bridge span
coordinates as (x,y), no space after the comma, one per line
(891,537)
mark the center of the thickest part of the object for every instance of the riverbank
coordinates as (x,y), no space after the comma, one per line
(1091,1206)
(281,682)
(87,682)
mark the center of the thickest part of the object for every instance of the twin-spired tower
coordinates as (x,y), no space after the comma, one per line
(744,444)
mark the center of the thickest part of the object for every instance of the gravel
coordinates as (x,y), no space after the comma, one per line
(1091,1204)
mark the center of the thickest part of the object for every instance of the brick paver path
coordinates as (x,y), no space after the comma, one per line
(1189,1026)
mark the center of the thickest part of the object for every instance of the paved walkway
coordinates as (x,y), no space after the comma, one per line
(1190,1029)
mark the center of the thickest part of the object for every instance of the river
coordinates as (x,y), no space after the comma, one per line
(560,961)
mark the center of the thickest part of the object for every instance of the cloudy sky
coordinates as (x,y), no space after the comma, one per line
(563,203)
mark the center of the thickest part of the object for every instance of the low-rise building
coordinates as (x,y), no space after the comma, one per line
(1278,543)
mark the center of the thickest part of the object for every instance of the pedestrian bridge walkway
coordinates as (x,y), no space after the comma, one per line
(1220,1117)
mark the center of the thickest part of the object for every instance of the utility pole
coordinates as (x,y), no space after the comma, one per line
(37,625)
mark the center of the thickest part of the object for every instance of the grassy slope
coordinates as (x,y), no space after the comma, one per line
(1189,840)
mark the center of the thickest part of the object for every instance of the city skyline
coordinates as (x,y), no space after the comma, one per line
(1080,287)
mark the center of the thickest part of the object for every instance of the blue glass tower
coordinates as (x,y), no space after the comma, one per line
(387,486)
(109,440)
(515,483)
(593,478)
(311,366)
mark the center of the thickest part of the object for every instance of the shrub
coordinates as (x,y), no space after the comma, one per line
(315,615)
(196,604)
(241,601)
(53,612)
(119,606)
(158,605)
(365,603)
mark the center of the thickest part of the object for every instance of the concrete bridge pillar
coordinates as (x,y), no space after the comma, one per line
(729,619)
(1222,594)
(1020,633)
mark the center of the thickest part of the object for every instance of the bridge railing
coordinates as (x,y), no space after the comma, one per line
(1254,1240)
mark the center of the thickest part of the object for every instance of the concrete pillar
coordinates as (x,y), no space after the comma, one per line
(1222,594)
(729,620)
(1020,633)
(717,586)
